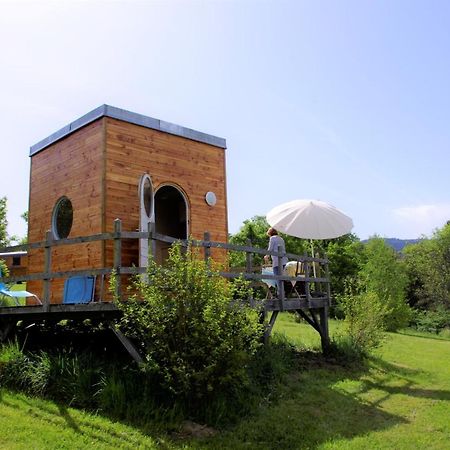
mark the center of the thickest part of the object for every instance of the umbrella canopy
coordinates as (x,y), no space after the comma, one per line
(309,219)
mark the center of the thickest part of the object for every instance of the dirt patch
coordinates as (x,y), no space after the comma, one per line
(189,429)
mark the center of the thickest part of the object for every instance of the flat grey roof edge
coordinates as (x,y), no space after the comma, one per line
(131,117)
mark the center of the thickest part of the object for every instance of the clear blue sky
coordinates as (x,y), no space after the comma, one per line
(342,101)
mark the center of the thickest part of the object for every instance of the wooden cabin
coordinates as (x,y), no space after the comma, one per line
(113,163)
(16,262)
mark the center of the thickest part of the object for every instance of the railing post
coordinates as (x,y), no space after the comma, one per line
(249,258)
(280,283)
(307,283)
(324,312)
(207,238)
(249,269)
(118,257)
(47,270)
(327,275)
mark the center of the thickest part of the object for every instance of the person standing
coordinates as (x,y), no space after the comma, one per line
(276,242)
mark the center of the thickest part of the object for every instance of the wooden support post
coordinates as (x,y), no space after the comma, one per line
(280,283)
(269,327)
(325,312)
(47,269)
(249,269)
(320,325)
(131,349)
(207,238)
(307,283)
(327,275)
(249,258)
(118,257)
(324,335)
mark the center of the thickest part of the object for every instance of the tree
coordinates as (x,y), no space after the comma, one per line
(428,269)
(346,254)
(4,240)
(384,274)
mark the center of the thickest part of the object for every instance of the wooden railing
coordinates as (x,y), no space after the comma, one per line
(118,235)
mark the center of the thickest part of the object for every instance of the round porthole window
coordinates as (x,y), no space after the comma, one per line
(62,218)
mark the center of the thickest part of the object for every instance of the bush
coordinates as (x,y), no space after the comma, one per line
(364,319)
(431,321)
(197,341)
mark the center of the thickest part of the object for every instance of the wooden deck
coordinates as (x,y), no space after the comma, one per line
(312,304)
(99,311)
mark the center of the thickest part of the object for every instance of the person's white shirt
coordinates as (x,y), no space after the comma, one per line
(276,241)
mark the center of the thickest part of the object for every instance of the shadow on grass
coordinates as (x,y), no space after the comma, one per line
(306,411)
(38,412)
(310,412)
(402,375)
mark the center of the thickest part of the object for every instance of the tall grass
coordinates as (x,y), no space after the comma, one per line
(122,390)
(399,399)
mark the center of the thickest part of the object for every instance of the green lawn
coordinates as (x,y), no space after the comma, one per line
(400,401)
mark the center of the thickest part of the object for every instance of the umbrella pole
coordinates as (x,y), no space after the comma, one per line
(312,252)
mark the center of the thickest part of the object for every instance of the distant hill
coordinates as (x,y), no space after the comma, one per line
(398,244)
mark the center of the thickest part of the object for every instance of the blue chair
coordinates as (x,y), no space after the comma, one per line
(79,290)
(4,290)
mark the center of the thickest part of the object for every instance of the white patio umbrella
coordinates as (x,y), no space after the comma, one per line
(309,219)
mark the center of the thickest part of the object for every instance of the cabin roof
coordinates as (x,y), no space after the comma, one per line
(131,117)
(8,254)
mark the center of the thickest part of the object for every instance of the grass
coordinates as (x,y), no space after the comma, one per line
(32,423)
(400,399)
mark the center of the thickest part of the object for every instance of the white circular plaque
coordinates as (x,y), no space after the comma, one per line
(210,198)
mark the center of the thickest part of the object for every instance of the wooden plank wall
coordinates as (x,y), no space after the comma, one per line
(99,168)
(71,167)
(193,167)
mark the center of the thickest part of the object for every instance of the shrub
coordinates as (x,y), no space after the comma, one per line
(431,321)
(197,341)
(364,319)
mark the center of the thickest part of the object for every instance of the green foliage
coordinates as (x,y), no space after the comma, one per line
(431,321)
(365,317)
(63,375)
(4,241)
(428,269)
(399,399)
(4,271)
(252,232)
(384,274)
(346,255)
(197,341)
